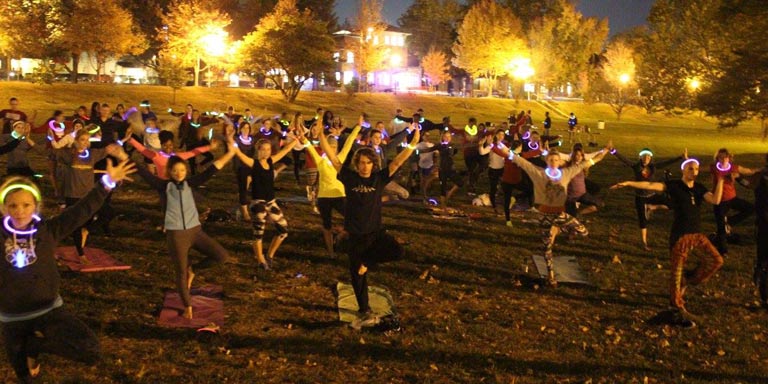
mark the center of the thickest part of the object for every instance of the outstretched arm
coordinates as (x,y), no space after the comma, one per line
(647,185)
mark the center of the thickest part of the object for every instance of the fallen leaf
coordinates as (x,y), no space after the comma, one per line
(616,259)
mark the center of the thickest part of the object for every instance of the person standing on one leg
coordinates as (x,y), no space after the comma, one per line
(724,168)
(686,196)
(364,187)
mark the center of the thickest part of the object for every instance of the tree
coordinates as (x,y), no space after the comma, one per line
(739,92)
(289,46)
(435,67)
(369,52)
(193,31)
(432,24)
(530,11)
(173,73)
(686,39)
(489,38)
(27,31)
(619,72)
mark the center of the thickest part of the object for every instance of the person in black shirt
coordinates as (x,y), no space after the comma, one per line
(759,182)
(446,172)
(264,208)
(362,220)
(686,196)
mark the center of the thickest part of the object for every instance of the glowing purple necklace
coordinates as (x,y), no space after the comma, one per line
(527,135)
(554,174)
(265,133)
(533,145)
(246,140)
(59,131)
(84,154)
(11,229)
(723,169)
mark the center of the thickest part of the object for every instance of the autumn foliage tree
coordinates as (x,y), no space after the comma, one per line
(289,46)
(368,51)
(489,37)
(192,30)
(435,66)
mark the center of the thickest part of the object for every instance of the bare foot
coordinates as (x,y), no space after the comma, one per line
(33,366)
(262,261)
(190,277)
(188,313)
(84,260)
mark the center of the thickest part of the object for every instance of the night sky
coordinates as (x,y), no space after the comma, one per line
(621,14)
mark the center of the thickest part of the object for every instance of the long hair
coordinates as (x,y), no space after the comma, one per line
(370,154)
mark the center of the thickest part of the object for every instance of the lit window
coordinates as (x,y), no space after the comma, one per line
(375,40)
(348,76)
(338,76)
(336,57)
(350,57)
(386,40)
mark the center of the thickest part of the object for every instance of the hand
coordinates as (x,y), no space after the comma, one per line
(361,120)
(120,171)
(619,185)
(128,134)
(609,146)
(685,154)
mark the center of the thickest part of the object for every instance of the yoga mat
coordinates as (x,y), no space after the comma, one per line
(567,269)
(207,308)
(98,260)
(378,298)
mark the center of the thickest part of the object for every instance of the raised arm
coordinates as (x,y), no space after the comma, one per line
(344,152)
(293,140)
(406,153)
(668,162)
(717,196)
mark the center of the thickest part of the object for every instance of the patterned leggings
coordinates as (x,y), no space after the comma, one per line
(711,261)
(553,223)
(263,212)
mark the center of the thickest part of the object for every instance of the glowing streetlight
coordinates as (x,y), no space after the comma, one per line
(395,60)
(521,69)
(694,84)
(214,43)
(624,78)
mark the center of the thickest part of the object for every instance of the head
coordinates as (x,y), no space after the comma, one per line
(375,137)
(499,135)
(723,156)
(380,125)
(577,155)
(472,121)
(230,110)
(14,103)
(166,141)
(690,169)
(327,116)
(58,115)
(20,200)
(245,128)
(120,108)
(177,169)
(645,155)
(151,122)
(366,162)
(263,149)
(195,114)
(82,111)
(446,137)
(83,138)
(77,125)
(188,108)
(105,111)
(554,160)
(535,137)
(144,106)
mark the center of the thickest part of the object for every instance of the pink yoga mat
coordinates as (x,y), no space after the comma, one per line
(99,260)
(207,308)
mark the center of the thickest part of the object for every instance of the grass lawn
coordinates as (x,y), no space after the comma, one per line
(482,317)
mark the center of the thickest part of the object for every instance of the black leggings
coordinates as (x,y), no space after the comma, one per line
(243,193)
(296,163)
(745,209)
(507,189)
(494,175)
(640,203)
(179,243)
(326,205)
(474,167)
(58,332)
(77,235)
(445,176)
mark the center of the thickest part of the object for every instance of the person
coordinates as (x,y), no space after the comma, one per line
(32,313)
(512,176)
(245,142)
(578,192)
(572,122)
(686,196)
(264,208)
(427,170)
(364,187)
(393,190)
(78,162)
(159,157)
(724,168)
(446,172)
(182,224)
(11,115)
(330,193)
(647,201)
(550,194)
(18,162)
(495,163)
(759,183)
(547,123)
(146,112)
(471,136)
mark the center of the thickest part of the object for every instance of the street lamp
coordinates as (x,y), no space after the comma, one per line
(522,70)
(624,79)
(214,43)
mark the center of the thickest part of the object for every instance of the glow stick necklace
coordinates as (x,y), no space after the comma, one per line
(554,174)
(11,229)
(533,145)
(265,133)
(84,154)
(246,140)
(722,169)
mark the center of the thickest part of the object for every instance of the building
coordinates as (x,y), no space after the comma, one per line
(126,70)
(395,74)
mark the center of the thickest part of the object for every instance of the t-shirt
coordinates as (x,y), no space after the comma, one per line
(686,204)
(18,157)
(263,181)
(10,116)
(426,160)
(729,182)
(363,215)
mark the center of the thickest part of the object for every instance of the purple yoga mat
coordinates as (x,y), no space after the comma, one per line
(98,260)
(207,308)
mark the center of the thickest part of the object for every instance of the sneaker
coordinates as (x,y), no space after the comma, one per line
(509,224)
(315,210)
